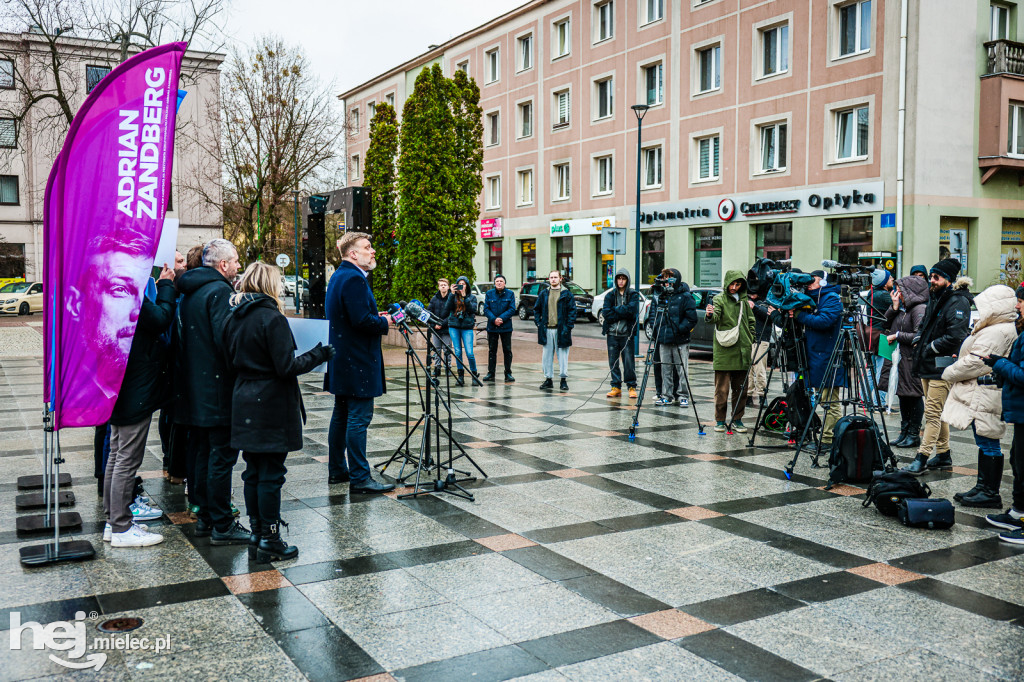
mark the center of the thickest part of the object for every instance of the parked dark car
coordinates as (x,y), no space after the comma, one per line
(702,338)
(528,297)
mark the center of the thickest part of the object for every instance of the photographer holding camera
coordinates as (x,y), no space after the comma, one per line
(734,335)
(680,317)
(620,310)
(821,331)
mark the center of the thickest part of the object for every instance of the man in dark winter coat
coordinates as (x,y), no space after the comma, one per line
(821,330)
(207,383)
(945,325)
(554,329)
(439,307)
(620,310)
(356,375)
(499,307)
(674,340)
(144,389)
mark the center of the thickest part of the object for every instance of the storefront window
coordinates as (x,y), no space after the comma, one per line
(1011,253)
(708,257)
(653,251)
(528,253)
(953,240)
(850,236)
(775,241)
(605,270)
(493,259)
(563,256)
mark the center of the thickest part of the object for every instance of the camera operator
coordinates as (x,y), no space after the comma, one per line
(879,301)
(620,310)
(945,325)
(674,352)
(758,376)
(734,334)
(821,331)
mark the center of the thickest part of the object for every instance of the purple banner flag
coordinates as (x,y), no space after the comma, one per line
(103,214)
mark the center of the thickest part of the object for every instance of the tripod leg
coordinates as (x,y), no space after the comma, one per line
(693,402)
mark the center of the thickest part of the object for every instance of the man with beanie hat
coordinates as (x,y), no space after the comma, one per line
(919,271)
(879,300)
(945,325)
(499,307)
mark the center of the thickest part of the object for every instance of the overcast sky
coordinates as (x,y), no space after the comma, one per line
(350,41)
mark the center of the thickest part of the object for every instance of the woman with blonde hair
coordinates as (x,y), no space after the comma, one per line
(266,406)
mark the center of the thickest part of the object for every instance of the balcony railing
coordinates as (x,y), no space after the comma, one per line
(1005,56)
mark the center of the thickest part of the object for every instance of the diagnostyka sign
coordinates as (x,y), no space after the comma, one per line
(105,206)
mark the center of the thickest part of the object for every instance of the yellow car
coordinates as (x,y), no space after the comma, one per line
(21,298)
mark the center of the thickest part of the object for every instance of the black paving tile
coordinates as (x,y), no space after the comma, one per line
(613,595)
(161,595)
(937,561)
(827,587)
(636,521)
(822,553)
(547,563)
(326,653)
(431,554)
(329,570)
(745,529)
(283,610)
(965,599)
(744,659)
(492,665)
(572,531)
(48,612)
(588,643)
(738,608)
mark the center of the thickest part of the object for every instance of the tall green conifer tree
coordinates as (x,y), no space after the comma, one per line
(381,177)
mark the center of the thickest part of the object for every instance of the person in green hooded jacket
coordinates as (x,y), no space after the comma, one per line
(733,320)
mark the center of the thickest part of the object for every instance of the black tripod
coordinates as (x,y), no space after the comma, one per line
(848,363)
(660,308)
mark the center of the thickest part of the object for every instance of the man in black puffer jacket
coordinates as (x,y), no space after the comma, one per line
(440,307)
(945,325)
(144,389)
(674,339)
(620,311)
(207,384)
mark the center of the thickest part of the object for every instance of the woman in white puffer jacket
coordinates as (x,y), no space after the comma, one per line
(979,405)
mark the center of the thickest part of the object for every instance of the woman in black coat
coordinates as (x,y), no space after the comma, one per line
(902,320)
(266,406)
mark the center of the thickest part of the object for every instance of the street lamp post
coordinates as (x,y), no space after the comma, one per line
(295,194)
(640,110)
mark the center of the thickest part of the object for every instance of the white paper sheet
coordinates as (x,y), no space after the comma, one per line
(307,334)
(168,243)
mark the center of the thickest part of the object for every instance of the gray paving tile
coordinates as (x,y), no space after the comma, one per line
(656,663)
(475,576)
(536,611)
(352,598)
(918,664)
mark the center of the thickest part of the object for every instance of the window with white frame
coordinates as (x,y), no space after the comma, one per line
(709,68)
(852,128)
(773,147)
(563,43)
(355,166)
(652,167)
(525,44)
(8,133)
(604,91)
(491,60)
(354,120)
(463,66)
(562,108)
(562,188)
(371,108)
(603,175)
(524,187)
(93,75)
(707,157)
(526,119)
(604,21)
(6,74)
(654,10)
(854,27)
(390,98)
(494,192)
(999,20)
(775,50)
(1015,130)
(654,81)
(493,129)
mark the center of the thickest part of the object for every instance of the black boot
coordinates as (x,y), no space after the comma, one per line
(941,460)
(991,471)
(912,440)
(959,497)
(254,536)
(918,466)
(547,384)
(895,442)
(563,385)
(488,377)
(459,378)
(273,548)
(509,378)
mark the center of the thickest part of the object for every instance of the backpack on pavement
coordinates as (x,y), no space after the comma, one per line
(889,488)
(858,450)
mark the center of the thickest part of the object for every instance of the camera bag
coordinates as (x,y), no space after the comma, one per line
(856,450)
(799,410)
(933,514)
(889,488)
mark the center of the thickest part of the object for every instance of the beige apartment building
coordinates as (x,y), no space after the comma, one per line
(773,128)
(27,150)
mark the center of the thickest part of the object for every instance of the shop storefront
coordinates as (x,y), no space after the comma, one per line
(491,235)
(850,237)
(528,259)
(563,256)
(707,259)
(576,244)
(774,240)
(1011,252)
(653,248)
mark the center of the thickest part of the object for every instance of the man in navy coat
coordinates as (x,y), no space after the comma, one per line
(356,374)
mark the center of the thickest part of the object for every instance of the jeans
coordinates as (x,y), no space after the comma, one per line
(675,363)
(621,346)
(936,431)
(214,463)
(263,477)
(346,438)
(127,448)
(493,338)
(547,359)
(988,446)
(463,338)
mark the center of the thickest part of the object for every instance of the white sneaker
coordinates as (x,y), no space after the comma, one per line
(141,499)
(107,530)
(135,537)
(683,402)
(143,512)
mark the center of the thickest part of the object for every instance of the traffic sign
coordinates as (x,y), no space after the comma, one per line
(283,260)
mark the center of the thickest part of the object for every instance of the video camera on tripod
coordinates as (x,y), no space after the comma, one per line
(776,283)
(663,284)
(851,279)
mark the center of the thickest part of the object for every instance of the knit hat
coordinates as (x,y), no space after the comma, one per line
(948,268)
(919,268)
(818,273)
(1020,292)
(879,277)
